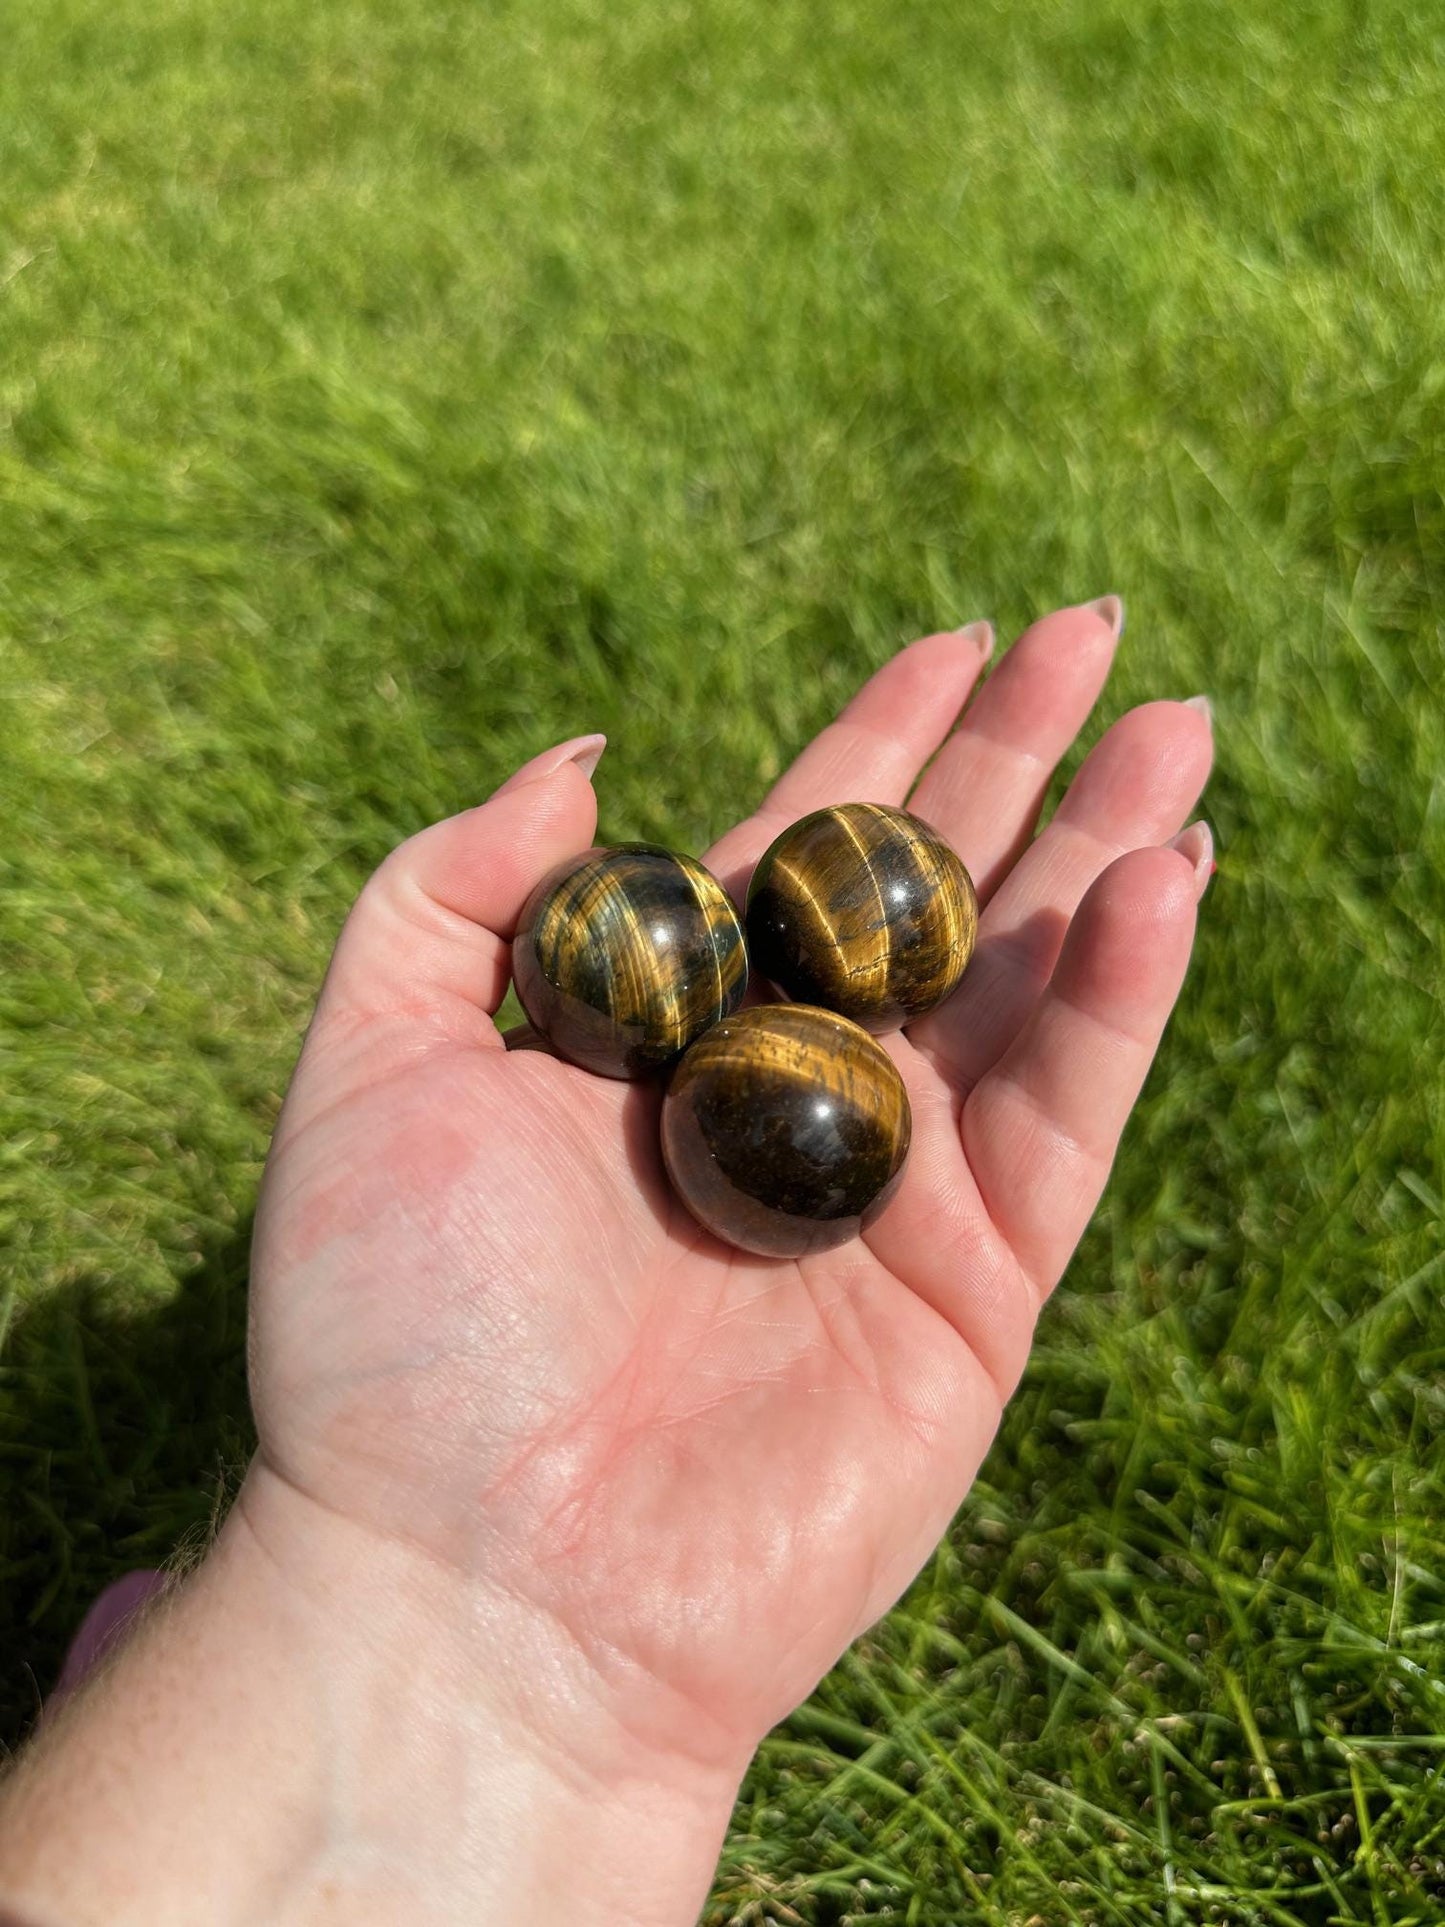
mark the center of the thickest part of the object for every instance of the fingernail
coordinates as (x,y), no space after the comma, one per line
(1197,844)
(980,634)
(1203,705)
(586,753)
(1109,609)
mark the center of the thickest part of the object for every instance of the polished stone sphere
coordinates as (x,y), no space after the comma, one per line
(864,910)
(623,956)
(785,1129)
(524,1037)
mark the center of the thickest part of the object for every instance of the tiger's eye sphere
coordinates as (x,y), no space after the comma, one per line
(865,910)
(525,1037)
(623,956)
(785,1129)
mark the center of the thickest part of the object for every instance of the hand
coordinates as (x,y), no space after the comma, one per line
(559,1503)
(485,1329)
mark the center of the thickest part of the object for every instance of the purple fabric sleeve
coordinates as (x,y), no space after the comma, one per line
(101,1628)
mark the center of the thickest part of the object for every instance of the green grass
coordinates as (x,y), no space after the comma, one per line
(386,392)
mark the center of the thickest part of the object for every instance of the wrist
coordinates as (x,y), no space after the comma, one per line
(319,1726)
(486,1760)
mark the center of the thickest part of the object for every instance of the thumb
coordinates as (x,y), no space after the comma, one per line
(429,937)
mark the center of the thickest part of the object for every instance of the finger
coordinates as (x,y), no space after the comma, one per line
(1136,787)
(430,935)
(985,789)
(1041,1129)
(875,749)
(937,1236)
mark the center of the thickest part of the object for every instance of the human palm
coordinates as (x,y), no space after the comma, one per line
(484,1327)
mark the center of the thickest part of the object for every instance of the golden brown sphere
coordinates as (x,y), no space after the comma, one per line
(785,1129)
(623,956)
(865,910)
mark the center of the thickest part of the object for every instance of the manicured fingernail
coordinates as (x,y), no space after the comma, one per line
(980,634)
(1109,609)
(586,753)
(1197,844)
(1203,705)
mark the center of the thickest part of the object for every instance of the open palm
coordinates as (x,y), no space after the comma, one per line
(484,1328)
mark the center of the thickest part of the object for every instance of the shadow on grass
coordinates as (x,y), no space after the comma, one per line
(123,1431)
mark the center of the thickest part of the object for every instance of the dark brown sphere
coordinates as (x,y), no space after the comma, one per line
(623,956)
(526,1037)
(785,1129)
(864,910)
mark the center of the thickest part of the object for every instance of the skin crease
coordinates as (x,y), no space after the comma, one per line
(488,1345)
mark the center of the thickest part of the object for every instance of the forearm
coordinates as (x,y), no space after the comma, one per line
(342,1750)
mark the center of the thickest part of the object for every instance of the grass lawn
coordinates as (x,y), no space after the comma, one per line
(389,391)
